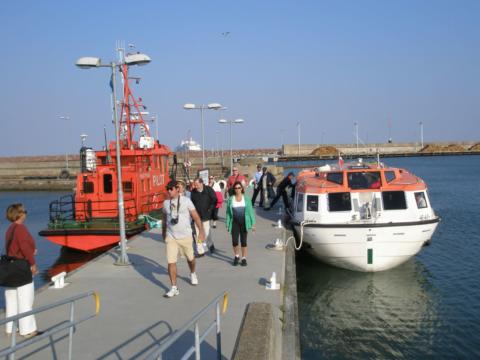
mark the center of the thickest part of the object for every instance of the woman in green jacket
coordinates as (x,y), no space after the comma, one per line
(240,220)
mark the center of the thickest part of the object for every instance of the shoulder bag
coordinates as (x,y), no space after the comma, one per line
(14,272)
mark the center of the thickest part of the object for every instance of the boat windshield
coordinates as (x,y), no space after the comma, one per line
(364,180)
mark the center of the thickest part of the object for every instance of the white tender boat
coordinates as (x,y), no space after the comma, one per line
(362,217)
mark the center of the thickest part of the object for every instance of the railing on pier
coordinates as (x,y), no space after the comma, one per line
(64,325)
(199,337)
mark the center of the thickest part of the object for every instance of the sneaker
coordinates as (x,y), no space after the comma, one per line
(193,279)
(212,248)
(214,225)
(236,260)
(173,292)
(199,255)
(244,262)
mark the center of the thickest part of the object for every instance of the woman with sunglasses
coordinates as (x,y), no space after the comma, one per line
(240,220)
(20,244)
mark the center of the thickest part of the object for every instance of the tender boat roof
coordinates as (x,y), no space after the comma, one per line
(315,180)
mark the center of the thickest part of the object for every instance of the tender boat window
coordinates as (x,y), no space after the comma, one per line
(300,203)
(107,184)
(88,187)
(421,200)
(389,176)
(364,180)
(394,200)
(312,202)
(339,202)
(336,177)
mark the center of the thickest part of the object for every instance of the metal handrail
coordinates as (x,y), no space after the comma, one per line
(199,338)
(67,324)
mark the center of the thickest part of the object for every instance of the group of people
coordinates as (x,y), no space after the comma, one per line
(200,204)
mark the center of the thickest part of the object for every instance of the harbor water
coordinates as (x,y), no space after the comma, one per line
(427,308)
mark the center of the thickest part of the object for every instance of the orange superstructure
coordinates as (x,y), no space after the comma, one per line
(88,219)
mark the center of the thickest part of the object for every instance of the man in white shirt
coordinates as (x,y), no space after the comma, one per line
(178,211)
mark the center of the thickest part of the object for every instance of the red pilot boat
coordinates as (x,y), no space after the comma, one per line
(88,219)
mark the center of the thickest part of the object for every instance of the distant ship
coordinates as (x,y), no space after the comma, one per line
(188,145)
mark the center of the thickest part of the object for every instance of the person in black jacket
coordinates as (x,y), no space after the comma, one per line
(267,181)
(204,199)
(282,190)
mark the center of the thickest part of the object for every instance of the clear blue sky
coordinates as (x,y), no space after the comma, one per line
(326,64)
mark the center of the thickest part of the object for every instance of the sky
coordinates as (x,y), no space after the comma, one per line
(385,65)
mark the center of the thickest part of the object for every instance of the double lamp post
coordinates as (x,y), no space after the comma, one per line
(94,62)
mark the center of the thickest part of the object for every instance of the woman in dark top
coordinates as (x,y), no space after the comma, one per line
(22,246)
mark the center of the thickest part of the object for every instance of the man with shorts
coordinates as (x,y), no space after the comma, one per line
(178,212)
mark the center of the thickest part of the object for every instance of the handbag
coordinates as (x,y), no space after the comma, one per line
(14,272)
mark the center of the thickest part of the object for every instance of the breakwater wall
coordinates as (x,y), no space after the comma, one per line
(58,172)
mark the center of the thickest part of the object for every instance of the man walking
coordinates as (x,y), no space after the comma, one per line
(236,176)
(178,212)
(204,199)
(256,183)
(266,187)
(282,190)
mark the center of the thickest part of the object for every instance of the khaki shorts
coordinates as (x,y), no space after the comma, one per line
(174,246)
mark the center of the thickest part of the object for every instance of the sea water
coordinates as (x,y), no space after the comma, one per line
(427,308)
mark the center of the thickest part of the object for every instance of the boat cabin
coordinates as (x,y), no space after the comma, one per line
(359,192)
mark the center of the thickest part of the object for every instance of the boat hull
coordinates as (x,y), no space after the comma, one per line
(88,240)
(367,247)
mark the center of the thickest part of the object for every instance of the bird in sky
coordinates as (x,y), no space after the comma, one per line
(226,33)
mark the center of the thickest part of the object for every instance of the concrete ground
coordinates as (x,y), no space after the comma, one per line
(134,315)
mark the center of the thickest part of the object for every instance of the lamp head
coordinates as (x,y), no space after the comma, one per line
(214,106)
(88,62)
(189,106)
(137,59)
(222,121)
(238,121)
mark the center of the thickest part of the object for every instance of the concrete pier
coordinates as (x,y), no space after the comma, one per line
(134,315)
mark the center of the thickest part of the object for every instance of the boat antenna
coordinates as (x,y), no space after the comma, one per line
(378,158)
(106,144)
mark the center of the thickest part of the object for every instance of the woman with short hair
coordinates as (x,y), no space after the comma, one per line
(20,244)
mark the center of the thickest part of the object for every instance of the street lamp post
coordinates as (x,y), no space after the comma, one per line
(298,134)
(421,134)
(66,152)
(231,122)
(356,133)
(154,118)
(94,62)
(212,106)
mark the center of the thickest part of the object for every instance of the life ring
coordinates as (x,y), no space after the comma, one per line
(187,163)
